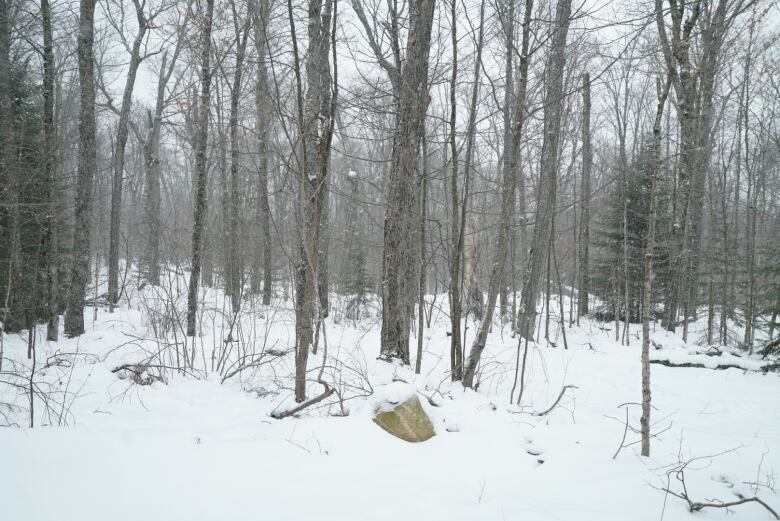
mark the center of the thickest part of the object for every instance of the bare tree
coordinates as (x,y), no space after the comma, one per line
(316,123)
(647,300)
(121,142)
(510,174)
(548,176)
(152,167)
(459,215)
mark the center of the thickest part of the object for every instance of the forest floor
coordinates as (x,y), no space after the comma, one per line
(192,447)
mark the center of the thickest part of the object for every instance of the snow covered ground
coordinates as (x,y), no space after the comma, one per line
(195,448)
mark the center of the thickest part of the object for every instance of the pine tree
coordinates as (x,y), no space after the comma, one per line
(609,241)
(24,217)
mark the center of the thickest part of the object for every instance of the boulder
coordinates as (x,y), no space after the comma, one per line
(406,420)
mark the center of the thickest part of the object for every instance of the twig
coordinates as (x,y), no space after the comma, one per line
(563,390)
(697,506)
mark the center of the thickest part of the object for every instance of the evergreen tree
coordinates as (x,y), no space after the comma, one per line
(608,277)
(24,173)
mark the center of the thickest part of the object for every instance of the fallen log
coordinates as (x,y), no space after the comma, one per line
(720,367)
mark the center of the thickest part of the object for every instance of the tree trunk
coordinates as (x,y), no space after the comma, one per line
(456,237)
(261,12)
(751,199)
(412,104)
(119,161)
(236,271)
(508,26)
(584,239)
(647,286)
(323,275)
(510,176)
(553,103)
(423,255)
(152,197)
(316,126)
(51,249)
(79,273)
(199,217)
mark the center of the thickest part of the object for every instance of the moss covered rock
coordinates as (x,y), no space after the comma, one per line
(406,420)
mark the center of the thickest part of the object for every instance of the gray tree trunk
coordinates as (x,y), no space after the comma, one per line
(548,177)
(423,255)
(677,57)
(119,159)
(151,152)
(456,235)
(261,12)
(412,105)
(510,175)
(79,272)
(152,198)
(199,218)
(647,287)
(51,249)
(316,127)
(508,26)
(236,271)
(584,239)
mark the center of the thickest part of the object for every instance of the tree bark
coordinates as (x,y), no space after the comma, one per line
(119,159)
(79,273)
(261,12)
(199,217)
(751,199)
(316,125)
(412,104)
(51,235)
(553,103)
(510,176)
(584,239)
(236,270)
(647,300)
(423,255)
(151,151)
(456,237)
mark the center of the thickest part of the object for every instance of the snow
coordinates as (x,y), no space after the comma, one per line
(198,449)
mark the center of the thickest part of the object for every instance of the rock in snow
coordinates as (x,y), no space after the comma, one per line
(406,420)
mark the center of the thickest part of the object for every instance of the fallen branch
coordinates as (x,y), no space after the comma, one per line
(328,389)
(697,506)
(699,365)
(304,405)
(140,373)
(555,404)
